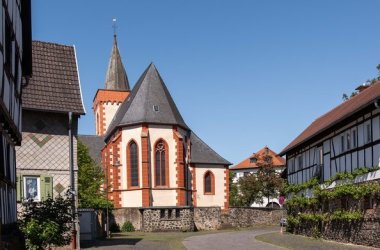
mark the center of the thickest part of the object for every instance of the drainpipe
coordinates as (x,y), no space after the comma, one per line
(72,184)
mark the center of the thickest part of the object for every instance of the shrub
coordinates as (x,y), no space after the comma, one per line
(114,228)
(127,227)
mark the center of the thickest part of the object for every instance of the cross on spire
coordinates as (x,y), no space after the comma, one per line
(114,26)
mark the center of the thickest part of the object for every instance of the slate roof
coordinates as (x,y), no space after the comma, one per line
(116,78)
(55,84)
(94,144)
(338,114)
(149,91)
(202,153)
(277,161)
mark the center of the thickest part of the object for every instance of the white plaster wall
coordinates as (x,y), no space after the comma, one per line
(210,200)
(165,133)
(127,135)
(110,111)
(131,198)
(164,197)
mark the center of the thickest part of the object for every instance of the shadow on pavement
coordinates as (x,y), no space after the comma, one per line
(109,242)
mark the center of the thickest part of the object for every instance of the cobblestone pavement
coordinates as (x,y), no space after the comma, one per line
(240,240)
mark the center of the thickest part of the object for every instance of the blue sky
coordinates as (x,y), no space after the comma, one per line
(244,74)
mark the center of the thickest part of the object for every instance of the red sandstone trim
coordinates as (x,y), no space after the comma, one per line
(180,168)
(145,166)
(227,189)
(194,180)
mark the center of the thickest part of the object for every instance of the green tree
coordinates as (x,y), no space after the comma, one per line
(90,179)
(250,190)
(46,223)
(235,198)
(270,181)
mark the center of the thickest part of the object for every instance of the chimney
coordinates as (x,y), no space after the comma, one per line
(362,87)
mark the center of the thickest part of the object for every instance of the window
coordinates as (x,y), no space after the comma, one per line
(133,165)
(8,44)
(348,141)
(253,160)
(368,130)
(161,164)
(354,139)
(300,162)
(209,183)
(32,188)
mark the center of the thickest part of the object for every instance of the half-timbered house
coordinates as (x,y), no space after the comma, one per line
(342,140)
(16,68)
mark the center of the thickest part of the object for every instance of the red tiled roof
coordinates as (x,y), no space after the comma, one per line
(247,164)
(336,115)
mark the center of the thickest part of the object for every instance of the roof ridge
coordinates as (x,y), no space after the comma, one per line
(52,43)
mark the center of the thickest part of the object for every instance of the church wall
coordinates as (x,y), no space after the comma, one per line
(165,133)
(128,134)
(164,197)
(131,198)
(218,199)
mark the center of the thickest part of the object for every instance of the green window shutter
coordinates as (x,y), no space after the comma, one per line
(42,188)
(46,184)
(19,188)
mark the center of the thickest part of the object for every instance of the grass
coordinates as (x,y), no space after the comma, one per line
(298,242)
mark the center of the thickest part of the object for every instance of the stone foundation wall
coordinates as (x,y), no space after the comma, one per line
(249,216)
(168,219)
(207,218)
(190,219)
(122,215)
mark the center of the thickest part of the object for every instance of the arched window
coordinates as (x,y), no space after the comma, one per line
(133,165)
(209,186)
(161,164)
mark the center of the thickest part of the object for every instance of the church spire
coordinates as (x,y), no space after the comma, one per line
(116,78)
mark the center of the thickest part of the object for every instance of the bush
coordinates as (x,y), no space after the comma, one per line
(114,228)
(127,227)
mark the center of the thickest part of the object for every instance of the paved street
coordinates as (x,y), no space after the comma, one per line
(240,240)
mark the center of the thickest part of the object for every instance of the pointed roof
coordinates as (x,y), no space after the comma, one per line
(201,153)
(116,78)
(277,161)
(149,102)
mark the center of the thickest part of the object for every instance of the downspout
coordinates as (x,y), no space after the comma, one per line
(72,183)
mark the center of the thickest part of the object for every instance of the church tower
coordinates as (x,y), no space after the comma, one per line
(108,100)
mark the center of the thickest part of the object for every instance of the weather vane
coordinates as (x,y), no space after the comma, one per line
(114,26)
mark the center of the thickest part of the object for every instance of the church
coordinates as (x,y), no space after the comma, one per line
(151,157)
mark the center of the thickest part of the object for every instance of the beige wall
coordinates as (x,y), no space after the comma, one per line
(218,198)
(164,198)
(131,198)
(110,109)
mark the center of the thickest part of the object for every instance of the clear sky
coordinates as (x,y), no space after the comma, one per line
(244,74)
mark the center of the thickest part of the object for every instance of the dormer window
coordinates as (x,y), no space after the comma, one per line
(156,108)
(253,160)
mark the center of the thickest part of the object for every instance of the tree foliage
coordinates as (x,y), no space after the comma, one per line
(235,197)
(47,223)
(90,179)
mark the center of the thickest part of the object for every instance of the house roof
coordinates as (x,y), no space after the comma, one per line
(55,85)
(343,111)
(277,161)
(202,153)
(116,78)
(94,144)
(149,92)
